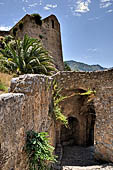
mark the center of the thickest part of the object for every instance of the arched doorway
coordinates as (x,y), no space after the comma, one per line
(70,135)
(81,115)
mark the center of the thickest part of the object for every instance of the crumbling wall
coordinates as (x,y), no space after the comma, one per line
(26,109)
(4,33)
(102,83)
(48,33)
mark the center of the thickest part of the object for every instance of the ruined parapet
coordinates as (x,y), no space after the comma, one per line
(4,33)
(23,110)
(27,108)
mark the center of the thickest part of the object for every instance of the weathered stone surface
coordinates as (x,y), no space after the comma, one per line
(102,83)
(49,33)
(20,112)
(27,107)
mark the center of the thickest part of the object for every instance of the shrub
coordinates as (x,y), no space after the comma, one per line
(39,150)
(66,67)
(37,19)
(26,56)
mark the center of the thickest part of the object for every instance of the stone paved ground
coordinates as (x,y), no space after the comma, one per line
(99,167)
(80,158)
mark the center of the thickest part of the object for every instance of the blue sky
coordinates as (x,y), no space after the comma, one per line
(86,25)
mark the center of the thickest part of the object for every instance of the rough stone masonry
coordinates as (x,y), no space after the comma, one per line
(48,33)
(26,107)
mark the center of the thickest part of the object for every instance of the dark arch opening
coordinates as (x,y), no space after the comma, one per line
(53,24)
(90,122)
(70,135)
(81,119)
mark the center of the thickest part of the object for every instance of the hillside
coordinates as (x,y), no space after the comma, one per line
(77,66)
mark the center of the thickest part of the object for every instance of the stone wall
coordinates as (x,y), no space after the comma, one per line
(21,112)
(48,33)
(27,107)
(4,33)
(102,83)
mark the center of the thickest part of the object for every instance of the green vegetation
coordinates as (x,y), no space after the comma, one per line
(21,25)
(39,150)
(57,98)
(7,39)
(26,56)
(37,19)
(4,82)
(88,92)
(3,87)
(66,67)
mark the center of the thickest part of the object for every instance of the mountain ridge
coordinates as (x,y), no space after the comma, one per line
(79,66)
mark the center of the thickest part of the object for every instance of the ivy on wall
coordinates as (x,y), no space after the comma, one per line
(55,109)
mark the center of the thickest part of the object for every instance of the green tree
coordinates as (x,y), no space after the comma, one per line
(26,56)
(66,67)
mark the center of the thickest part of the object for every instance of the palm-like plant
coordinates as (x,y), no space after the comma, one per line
(26,56)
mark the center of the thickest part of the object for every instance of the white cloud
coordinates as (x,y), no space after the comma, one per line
(32,5)
(81,6)
(109,11)
(5,28)
(40,3)
(105,3)
(25,1)
(50,6)
(24,9)
(92,50)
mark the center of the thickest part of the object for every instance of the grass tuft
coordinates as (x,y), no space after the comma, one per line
(5,82)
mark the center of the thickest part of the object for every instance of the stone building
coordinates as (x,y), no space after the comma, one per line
(48,33)
(27,106)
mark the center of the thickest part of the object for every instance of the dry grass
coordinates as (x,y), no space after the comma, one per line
(4,82)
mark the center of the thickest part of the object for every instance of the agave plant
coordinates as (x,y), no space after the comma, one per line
(26,56)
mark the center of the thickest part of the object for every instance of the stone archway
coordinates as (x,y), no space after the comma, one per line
(81,118)
(70,135)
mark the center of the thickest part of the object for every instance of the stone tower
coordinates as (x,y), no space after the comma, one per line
(48,33)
